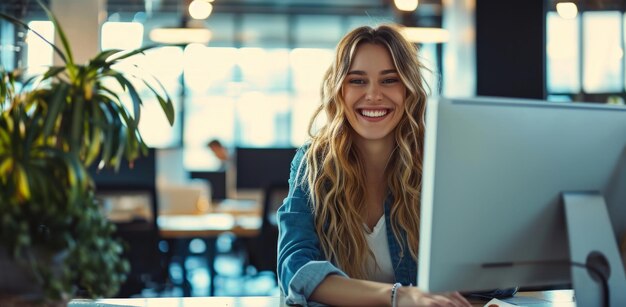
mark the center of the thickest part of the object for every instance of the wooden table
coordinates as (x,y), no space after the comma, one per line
(237,216)
(560,298)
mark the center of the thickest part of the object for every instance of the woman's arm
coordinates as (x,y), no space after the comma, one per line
(341,291)
(301,265)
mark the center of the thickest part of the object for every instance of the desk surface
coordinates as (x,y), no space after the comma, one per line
(560,298)
(241,217)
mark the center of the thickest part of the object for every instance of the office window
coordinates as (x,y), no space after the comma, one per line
(317,31)
(264,69)
(208,117)
(39,53)
(264,30)
(303,107)
(563,54)
(367,20)
(222,28)
(308,66)
(262,119)
(603,54)
(8,46)
(209,69)
(260,87)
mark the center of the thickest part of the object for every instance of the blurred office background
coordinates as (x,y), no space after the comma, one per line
(250,70)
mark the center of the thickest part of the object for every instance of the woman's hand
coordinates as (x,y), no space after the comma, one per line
(413,296)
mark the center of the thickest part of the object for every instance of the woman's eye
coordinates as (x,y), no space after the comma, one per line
(357,81)
(390,80)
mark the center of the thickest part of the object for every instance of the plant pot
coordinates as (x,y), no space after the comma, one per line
(18,285)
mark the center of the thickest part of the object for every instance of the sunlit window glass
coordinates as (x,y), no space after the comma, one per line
(264,69)
(264,30)
(207,118)
(303,108)
(308,66)
(318,31)
(428,56)
(8,46)
(121,35)
(208,69)
(39,53)
(261,119)
(602,52)
(563,56)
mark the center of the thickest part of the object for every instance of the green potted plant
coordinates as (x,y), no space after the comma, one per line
(52,128)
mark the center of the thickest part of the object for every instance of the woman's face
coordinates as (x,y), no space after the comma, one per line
(373,93)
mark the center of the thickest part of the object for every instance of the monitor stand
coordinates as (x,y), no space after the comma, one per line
(592,242)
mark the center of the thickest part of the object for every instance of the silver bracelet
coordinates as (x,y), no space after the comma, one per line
(394,289)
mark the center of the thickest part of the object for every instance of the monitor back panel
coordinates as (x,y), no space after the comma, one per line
(493,173)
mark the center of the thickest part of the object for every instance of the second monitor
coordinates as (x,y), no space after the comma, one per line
(516,190)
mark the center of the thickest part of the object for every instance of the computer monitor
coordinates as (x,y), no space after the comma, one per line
(258,168)
(498,174)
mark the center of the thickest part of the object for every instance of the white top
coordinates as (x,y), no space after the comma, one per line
(379,269)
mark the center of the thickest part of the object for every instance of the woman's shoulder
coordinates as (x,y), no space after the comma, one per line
(301,153)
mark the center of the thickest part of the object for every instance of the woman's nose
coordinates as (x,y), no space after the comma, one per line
(373,93)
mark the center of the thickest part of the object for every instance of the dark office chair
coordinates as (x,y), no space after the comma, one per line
(140,235)
(261,250)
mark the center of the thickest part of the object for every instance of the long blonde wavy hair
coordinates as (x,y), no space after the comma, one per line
(336,174)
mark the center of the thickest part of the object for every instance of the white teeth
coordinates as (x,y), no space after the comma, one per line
(374,113)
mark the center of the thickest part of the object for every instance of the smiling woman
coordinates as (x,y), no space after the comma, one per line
(349,228)
(373,94)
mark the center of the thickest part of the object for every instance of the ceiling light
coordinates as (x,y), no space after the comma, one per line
(121,35)
(426,35)
(180,35)
(567,10)
(406,5)
(200,9)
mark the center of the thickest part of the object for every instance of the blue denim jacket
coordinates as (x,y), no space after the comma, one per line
(301,262)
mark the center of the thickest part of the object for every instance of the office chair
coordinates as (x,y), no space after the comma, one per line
(261,250)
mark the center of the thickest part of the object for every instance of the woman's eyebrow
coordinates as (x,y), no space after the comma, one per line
(357,72)
(363,73)
(388,71)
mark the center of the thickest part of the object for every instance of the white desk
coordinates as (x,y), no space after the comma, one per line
(559,298)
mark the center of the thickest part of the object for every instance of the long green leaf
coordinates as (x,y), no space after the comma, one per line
(108,134)
(21,23)
(121,111)
(114,95)
(132,52)
(3,89)
(166,105)
(26,84)
(55,108)
(116,75)
(101,58)
(53,71)
(32,131)
(64,42)
(135,98)
(78,105)
(75,175)
(121,146)
(95,136)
